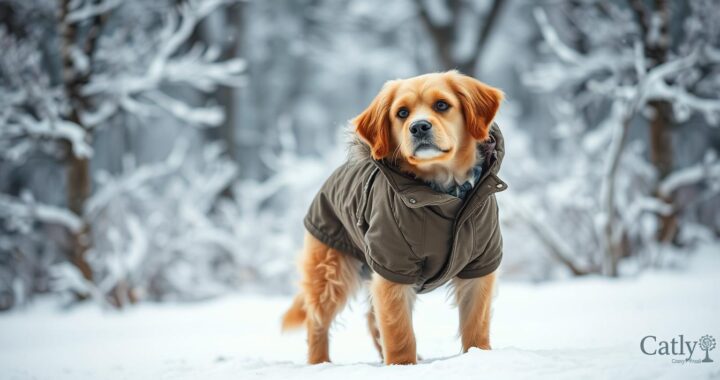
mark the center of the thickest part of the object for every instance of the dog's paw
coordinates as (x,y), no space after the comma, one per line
(401,359)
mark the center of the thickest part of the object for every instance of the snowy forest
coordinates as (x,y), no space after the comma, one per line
(168,150)
(157,159)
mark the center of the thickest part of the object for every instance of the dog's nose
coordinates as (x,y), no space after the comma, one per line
(420,128)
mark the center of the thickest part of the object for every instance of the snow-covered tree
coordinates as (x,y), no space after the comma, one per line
(614,68)
(125,175)
(72,68)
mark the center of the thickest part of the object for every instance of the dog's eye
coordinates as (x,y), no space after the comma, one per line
(403,113)
(441,105)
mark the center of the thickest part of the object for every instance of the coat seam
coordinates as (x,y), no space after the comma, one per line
(365,197)
(334,242)
(393,212)
(374,264)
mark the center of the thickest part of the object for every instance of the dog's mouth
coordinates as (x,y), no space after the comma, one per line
(428,150)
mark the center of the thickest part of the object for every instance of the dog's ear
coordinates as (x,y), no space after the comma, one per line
(373,125)
(479,103)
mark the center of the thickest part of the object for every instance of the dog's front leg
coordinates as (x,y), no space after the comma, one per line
(393,305)
(474,297)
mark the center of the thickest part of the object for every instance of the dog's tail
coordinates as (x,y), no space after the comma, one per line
(295,316)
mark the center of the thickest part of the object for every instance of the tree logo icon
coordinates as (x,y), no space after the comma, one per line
(707,343)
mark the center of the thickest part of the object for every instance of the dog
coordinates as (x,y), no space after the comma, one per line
(413,208)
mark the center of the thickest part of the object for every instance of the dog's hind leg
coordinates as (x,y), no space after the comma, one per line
(329,278)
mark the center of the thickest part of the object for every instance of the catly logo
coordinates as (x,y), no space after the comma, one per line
(679,346)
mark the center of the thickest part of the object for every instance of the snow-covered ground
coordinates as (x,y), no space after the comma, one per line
(576,329)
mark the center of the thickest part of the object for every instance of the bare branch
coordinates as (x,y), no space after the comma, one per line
(555,244)
(137,178)
(486,29)
(621,116)
(442,35)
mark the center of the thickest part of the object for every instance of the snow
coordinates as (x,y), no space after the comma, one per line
(587,328)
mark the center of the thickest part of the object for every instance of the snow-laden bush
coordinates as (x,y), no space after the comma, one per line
(183,228)
(268,213)
(155,231)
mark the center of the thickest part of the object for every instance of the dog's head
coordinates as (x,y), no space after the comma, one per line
(430,120)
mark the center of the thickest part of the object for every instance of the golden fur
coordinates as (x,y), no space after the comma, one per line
(330,277)
(393,305)
(473,298)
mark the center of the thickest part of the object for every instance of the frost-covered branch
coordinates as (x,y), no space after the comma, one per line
(156,225)
(67,278)
(680,97)
(646,204)
(90,9)
(28,208)
(551,37)
(607,65)
(701,172)
(573,67)
(30,107)
(199,68)
(174,35)
(653,85)
(26,126)
(556,245)
(117,186)
(212,115)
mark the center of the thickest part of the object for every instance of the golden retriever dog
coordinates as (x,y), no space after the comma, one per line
(429,128)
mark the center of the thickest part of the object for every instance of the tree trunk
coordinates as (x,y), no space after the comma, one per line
(470,67)
(661,153)
(445,36)
(78,180)
(661,156)
(78,191)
